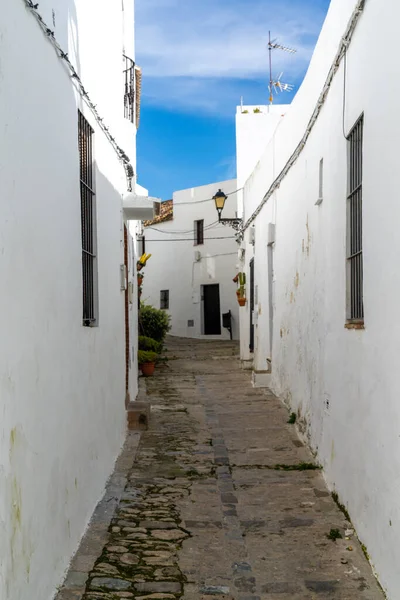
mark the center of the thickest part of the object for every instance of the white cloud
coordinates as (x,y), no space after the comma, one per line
(193,51)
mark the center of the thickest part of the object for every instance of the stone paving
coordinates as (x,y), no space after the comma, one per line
(222,501)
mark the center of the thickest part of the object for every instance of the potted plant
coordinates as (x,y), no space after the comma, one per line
(236,278)
(241,292)
(146,343)
(153,322)
(140,277)
(142,261)
(147,362)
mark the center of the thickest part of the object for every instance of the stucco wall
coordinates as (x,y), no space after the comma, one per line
(62,386)
(254,132)
(173,265)
(342,383)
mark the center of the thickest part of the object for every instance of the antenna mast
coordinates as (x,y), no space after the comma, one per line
(271,98)
(276,84)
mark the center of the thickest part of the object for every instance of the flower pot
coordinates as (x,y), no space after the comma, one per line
(148,369)
(139,279)
(236,279)
(242,301)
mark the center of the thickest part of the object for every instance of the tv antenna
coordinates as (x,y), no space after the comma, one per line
(277,85)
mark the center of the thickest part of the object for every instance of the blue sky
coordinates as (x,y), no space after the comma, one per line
(199,57)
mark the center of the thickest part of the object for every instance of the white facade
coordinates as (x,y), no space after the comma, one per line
(62,385)
(342,382)
(182,268)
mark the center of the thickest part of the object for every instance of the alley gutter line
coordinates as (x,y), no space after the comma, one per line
(242,572)
(344,44)
(122,156)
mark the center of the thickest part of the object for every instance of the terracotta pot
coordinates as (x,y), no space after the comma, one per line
(242,301)
(236,279)
(139,279)
(148,369)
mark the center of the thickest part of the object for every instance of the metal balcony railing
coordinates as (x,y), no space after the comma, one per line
(129,95)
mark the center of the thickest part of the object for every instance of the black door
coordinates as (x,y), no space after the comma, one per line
(251,345)
(212,311)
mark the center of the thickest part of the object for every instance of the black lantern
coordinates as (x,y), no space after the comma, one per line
(220,199)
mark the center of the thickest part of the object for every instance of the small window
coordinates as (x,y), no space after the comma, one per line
(164,299)
(88,221)
(199,232)
(142,244)
(355,301)
(320,183)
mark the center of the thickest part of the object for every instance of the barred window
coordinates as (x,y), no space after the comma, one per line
(355,302)
(88,221)
(199,232)
(164,299)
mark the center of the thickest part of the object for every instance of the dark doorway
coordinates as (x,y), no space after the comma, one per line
(212,310)
(251,345)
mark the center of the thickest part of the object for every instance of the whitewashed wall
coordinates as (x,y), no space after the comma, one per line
(62,386)
(173,265)
(254,131)
(343,383)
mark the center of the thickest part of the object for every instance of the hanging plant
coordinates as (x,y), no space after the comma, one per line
(236,278)
(142,261)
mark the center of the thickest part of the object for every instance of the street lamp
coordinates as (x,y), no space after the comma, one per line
(220,199)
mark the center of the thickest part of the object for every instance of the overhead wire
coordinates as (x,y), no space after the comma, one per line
(208,227)
(205,199)
(229,237)
(123,157)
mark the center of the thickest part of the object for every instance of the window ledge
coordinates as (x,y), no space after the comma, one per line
(354,325)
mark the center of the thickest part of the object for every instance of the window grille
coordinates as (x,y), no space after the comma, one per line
(355,302)
(199,233)
(88,220)
(129,95)
(164,299)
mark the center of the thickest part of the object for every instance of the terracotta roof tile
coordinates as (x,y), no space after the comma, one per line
(166,213)
(138,80)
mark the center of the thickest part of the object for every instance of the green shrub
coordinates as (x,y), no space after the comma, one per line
(146,357)
(154,323)
(146,343)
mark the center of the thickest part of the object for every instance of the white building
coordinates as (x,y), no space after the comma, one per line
(65,307)
(322,198)
(193,263)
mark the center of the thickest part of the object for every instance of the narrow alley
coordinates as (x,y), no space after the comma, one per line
(218,499)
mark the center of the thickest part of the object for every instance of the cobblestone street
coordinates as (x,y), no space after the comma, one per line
(222,500)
